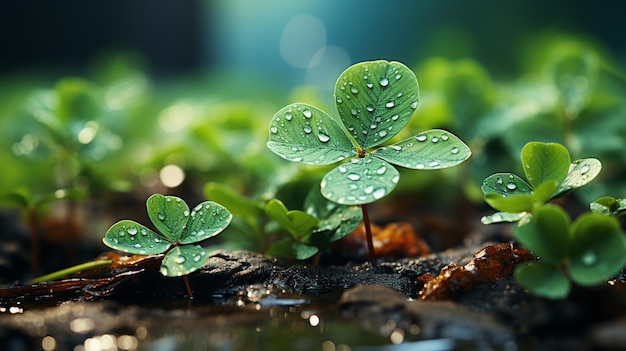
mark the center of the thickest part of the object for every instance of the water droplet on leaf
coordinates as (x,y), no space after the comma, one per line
(421,137)
(132,230)
(307,113)
(390,104)
(179,259)
(288,116)
(384,82)
(354,176)
(511,186)
(323,138)
(455,150)
(274,130)
(379,193)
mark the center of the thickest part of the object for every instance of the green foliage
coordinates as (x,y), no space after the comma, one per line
(179,228)
(550,175)
(314,229)
(268,226)
(375,100)
(609,206)
(589,251)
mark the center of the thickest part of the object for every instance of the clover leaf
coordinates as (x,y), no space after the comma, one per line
(550,175)
(375,100)
(178,226)
(609,206)
(589,251)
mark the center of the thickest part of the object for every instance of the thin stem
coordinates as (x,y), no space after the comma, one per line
(71,270)
(368,234)
(188,286)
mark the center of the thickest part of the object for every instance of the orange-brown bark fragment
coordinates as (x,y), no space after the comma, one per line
(493,262)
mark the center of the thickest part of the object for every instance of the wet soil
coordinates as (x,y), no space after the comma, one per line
(464,298)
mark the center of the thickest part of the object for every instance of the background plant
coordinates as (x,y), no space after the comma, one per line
(375,100)
(549,171)
(589,251)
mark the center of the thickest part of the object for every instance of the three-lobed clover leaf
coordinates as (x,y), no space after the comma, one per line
(375,100)
(550,174)
(179,227)
(589,251)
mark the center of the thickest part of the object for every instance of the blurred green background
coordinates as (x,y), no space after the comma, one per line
(104,103)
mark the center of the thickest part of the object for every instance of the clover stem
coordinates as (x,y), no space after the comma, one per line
(71,270)
(186,280)
(368,234)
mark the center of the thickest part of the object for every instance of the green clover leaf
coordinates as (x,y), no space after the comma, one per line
(178,227)
(375,100)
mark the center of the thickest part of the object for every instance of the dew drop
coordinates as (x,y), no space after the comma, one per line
(382,133)
(339,99)
(288,116)
(297,159)
(584,170)
(384,82)
(186,213)
(369,189)
(419,166)
(161,216)
(589,258)
(168,199)
(396,147)
(307,129)
(433,164)
(444,137)
(353,112)
(370,109)
(499,180)
(354,176)
(381,170)
(390,104)
(307,113)
(370,85)
(132,230)
(343,169)
(137,246)
(398,76)
(414,105)
(421,137)
(511,186)
(379,193)
(395,179)
(354,90)
(121,233)
(323,138)
(179,259)
(455,150)
(435,140)
(373,126)
(395,117)
(196,258)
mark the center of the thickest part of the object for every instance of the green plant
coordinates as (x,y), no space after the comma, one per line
(375,100)
(589,251)
(609,206)
(550,174)
(314,229)
(179,227)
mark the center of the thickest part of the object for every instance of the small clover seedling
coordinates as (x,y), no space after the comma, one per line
(375,100)
(550,175)
(589,251)
(179,228)
(312,230)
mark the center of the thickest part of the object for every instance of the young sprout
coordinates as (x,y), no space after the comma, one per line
(375,100)
(179,229)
